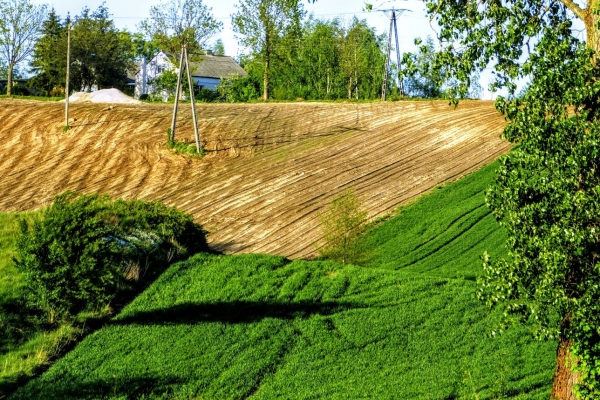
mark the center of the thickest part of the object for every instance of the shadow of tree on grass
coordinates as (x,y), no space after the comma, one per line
(233,312)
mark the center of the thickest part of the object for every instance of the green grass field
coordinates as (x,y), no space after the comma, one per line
(406,326)
(232,327)
(442,234)
(10,281)
(23,348)
(38,98)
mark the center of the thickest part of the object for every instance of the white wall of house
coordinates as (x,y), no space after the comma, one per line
(154,68)
(158,64)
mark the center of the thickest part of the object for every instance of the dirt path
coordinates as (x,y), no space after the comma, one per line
(270,168)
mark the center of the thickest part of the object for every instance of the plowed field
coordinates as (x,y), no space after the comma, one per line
(269,171)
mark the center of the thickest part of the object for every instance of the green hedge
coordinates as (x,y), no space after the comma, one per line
(86,249)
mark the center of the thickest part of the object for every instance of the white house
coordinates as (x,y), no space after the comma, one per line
(207,72)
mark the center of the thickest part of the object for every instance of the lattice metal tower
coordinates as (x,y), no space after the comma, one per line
(393,13)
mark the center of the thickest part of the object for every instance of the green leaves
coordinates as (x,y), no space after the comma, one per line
(263,25)
(19,29)
(175,23)
(545,193)
(85,249)
(342,225)
(100,53)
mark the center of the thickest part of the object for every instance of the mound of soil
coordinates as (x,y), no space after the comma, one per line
(103,96)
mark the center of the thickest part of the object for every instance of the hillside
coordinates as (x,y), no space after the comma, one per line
(264,327)
(269,170)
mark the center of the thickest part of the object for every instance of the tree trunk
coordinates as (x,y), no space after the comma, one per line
(592,32)
(350,89)
(10,79)
(356,73)
(564,378)
(266,79)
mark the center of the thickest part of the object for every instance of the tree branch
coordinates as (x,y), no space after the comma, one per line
(578,11)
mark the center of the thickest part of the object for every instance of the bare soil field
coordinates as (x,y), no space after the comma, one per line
(270,169)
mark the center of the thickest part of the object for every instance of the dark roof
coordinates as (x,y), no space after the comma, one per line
(209,66)
(218,67)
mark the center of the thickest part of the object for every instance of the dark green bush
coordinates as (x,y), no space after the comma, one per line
(234,89)
(85,249)
(206,95)
(16,90)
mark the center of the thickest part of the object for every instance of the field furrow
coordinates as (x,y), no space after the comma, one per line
(269,171)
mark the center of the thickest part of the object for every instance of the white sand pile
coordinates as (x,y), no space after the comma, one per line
(102,96)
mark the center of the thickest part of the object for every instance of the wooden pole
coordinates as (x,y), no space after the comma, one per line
(177,91)
(68,70)
(191,85)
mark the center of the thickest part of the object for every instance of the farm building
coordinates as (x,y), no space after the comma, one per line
(207,72)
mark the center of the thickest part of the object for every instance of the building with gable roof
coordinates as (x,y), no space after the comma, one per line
(207,71)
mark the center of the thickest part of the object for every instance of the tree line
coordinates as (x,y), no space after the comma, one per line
(289,55)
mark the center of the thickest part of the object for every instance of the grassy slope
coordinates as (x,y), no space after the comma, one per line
(220,327)
(21,360)
(442,234)
(10,282)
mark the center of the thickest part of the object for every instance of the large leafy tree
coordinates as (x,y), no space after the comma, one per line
(176,23)
(20,22)
(262,25)
(100,53)
(49,54)
(421,79)
(143,47)
(362,61)
(320,57)
(547,191)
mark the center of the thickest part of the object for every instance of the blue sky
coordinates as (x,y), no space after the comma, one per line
(411,24)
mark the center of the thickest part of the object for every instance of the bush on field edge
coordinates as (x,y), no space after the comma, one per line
(86,249)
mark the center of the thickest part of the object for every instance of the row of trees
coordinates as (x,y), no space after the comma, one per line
(320,60)
(100,53)
(289,57)
(315,59)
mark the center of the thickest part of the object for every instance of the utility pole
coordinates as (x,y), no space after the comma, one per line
(177,91)
(184,53)
(193,101)
(386,72)
(68,68)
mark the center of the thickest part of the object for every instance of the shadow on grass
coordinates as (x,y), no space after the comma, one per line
(233,312)
(116,387)
(18,322)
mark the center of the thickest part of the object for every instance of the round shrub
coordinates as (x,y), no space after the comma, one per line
(87,248)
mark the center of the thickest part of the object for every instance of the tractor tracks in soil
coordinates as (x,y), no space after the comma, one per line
(270,169)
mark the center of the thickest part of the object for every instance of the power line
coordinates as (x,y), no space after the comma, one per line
(228,18)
